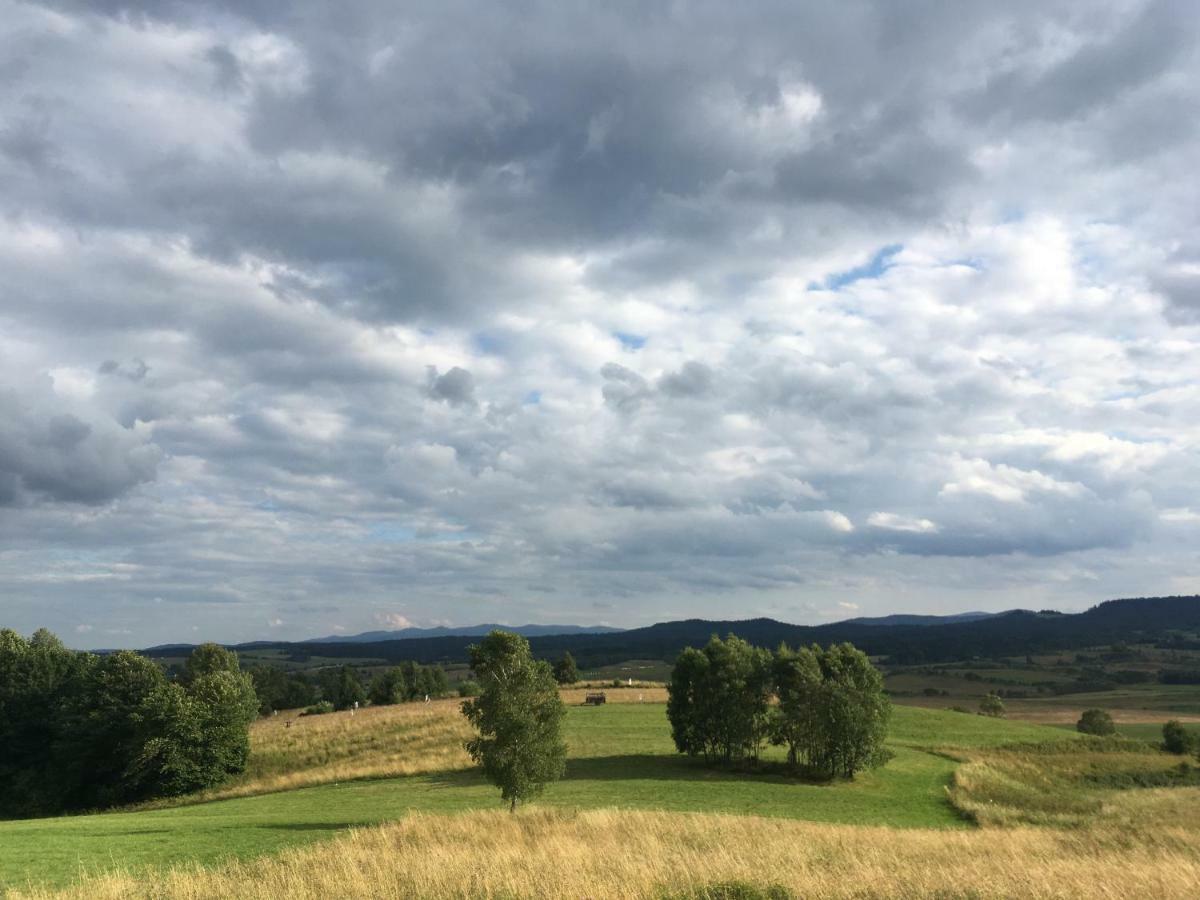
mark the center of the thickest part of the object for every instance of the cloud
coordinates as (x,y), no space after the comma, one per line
(299,305)
(393,620)
(48,453)
(456,387)
(893,522)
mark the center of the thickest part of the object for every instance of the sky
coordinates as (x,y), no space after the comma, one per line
(321,318)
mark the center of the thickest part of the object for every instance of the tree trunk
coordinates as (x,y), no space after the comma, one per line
(513,807)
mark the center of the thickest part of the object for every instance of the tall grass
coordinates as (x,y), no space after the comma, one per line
(609,854)
(374,742)
(1072,784)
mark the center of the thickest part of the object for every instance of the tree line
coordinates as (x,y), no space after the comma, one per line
(831,712)
(342,687)
(82,731)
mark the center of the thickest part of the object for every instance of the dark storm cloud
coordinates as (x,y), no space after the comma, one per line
(48,455)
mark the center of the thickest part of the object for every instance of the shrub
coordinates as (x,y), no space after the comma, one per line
(1176,738)
(991,705)
(1095,721)
(468,688)
(318,709)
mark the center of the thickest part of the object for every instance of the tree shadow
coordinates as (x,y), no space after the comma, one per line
(681,768)
(651,767)
(314,826)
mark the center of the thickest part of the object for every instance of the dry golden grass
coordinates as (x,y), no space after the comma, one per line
(621,854)
(374,742)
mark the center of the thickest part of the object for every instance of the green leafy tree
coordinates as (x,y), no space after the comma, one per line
(209,658)
(799,683)
(389,687)
(991,705)
(342,687)
(518,716)
(83,731)
(1095,721)
(36,676)
(278,689)
(853,710)
(565,670)
(717,700)
(1176,738)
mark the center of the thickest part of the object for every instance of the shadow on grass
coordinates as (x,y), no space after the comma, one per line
(653,767)
(315,826)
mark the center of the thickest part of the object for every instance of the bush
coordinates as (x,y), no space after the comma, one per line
(1095,721)
(1176,738)
(318,709)
(468,688)
(991,705)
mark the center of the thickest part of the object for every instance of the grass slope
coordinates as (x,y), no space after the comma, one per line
(621,854)
(621,755)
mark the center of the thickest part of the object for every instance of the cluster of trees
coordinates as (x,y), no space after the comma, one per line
(832,711)
(406,682)
(82,731)
(342,687)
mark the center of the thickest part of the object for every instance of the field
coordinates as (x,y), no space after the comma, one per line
(961,790)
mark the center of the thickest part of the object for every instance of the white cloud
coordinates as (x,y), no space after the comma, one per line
(894,522)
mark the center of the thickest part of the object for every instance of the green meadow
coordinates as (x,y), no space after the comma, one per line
(620,755)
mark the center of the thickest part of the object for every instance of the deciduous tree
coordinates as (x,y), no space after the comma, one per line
(518,716)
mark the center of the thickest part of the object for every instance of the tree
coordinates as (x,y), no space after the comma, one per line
(279,689)
(1176,738)
(853,710)
(991,705)
(798,684)
(81,731)
(342,687)
(207,659)
(1095,721)
(389,686)
(518,716)
(565,670)
(718,698)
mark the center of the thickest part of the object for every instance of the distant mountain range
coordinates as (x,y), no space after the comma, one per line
(406,634)
(899,639)
(906,619)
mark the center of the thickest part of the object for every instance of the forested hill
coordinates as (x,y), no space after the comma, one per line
(1010,634)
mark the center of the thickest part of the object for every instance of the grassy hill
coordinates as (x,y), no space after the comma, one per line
(952,812)
(620,754)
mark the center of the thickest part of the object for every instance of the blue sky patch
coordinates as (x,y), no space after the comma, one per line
(878,264)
